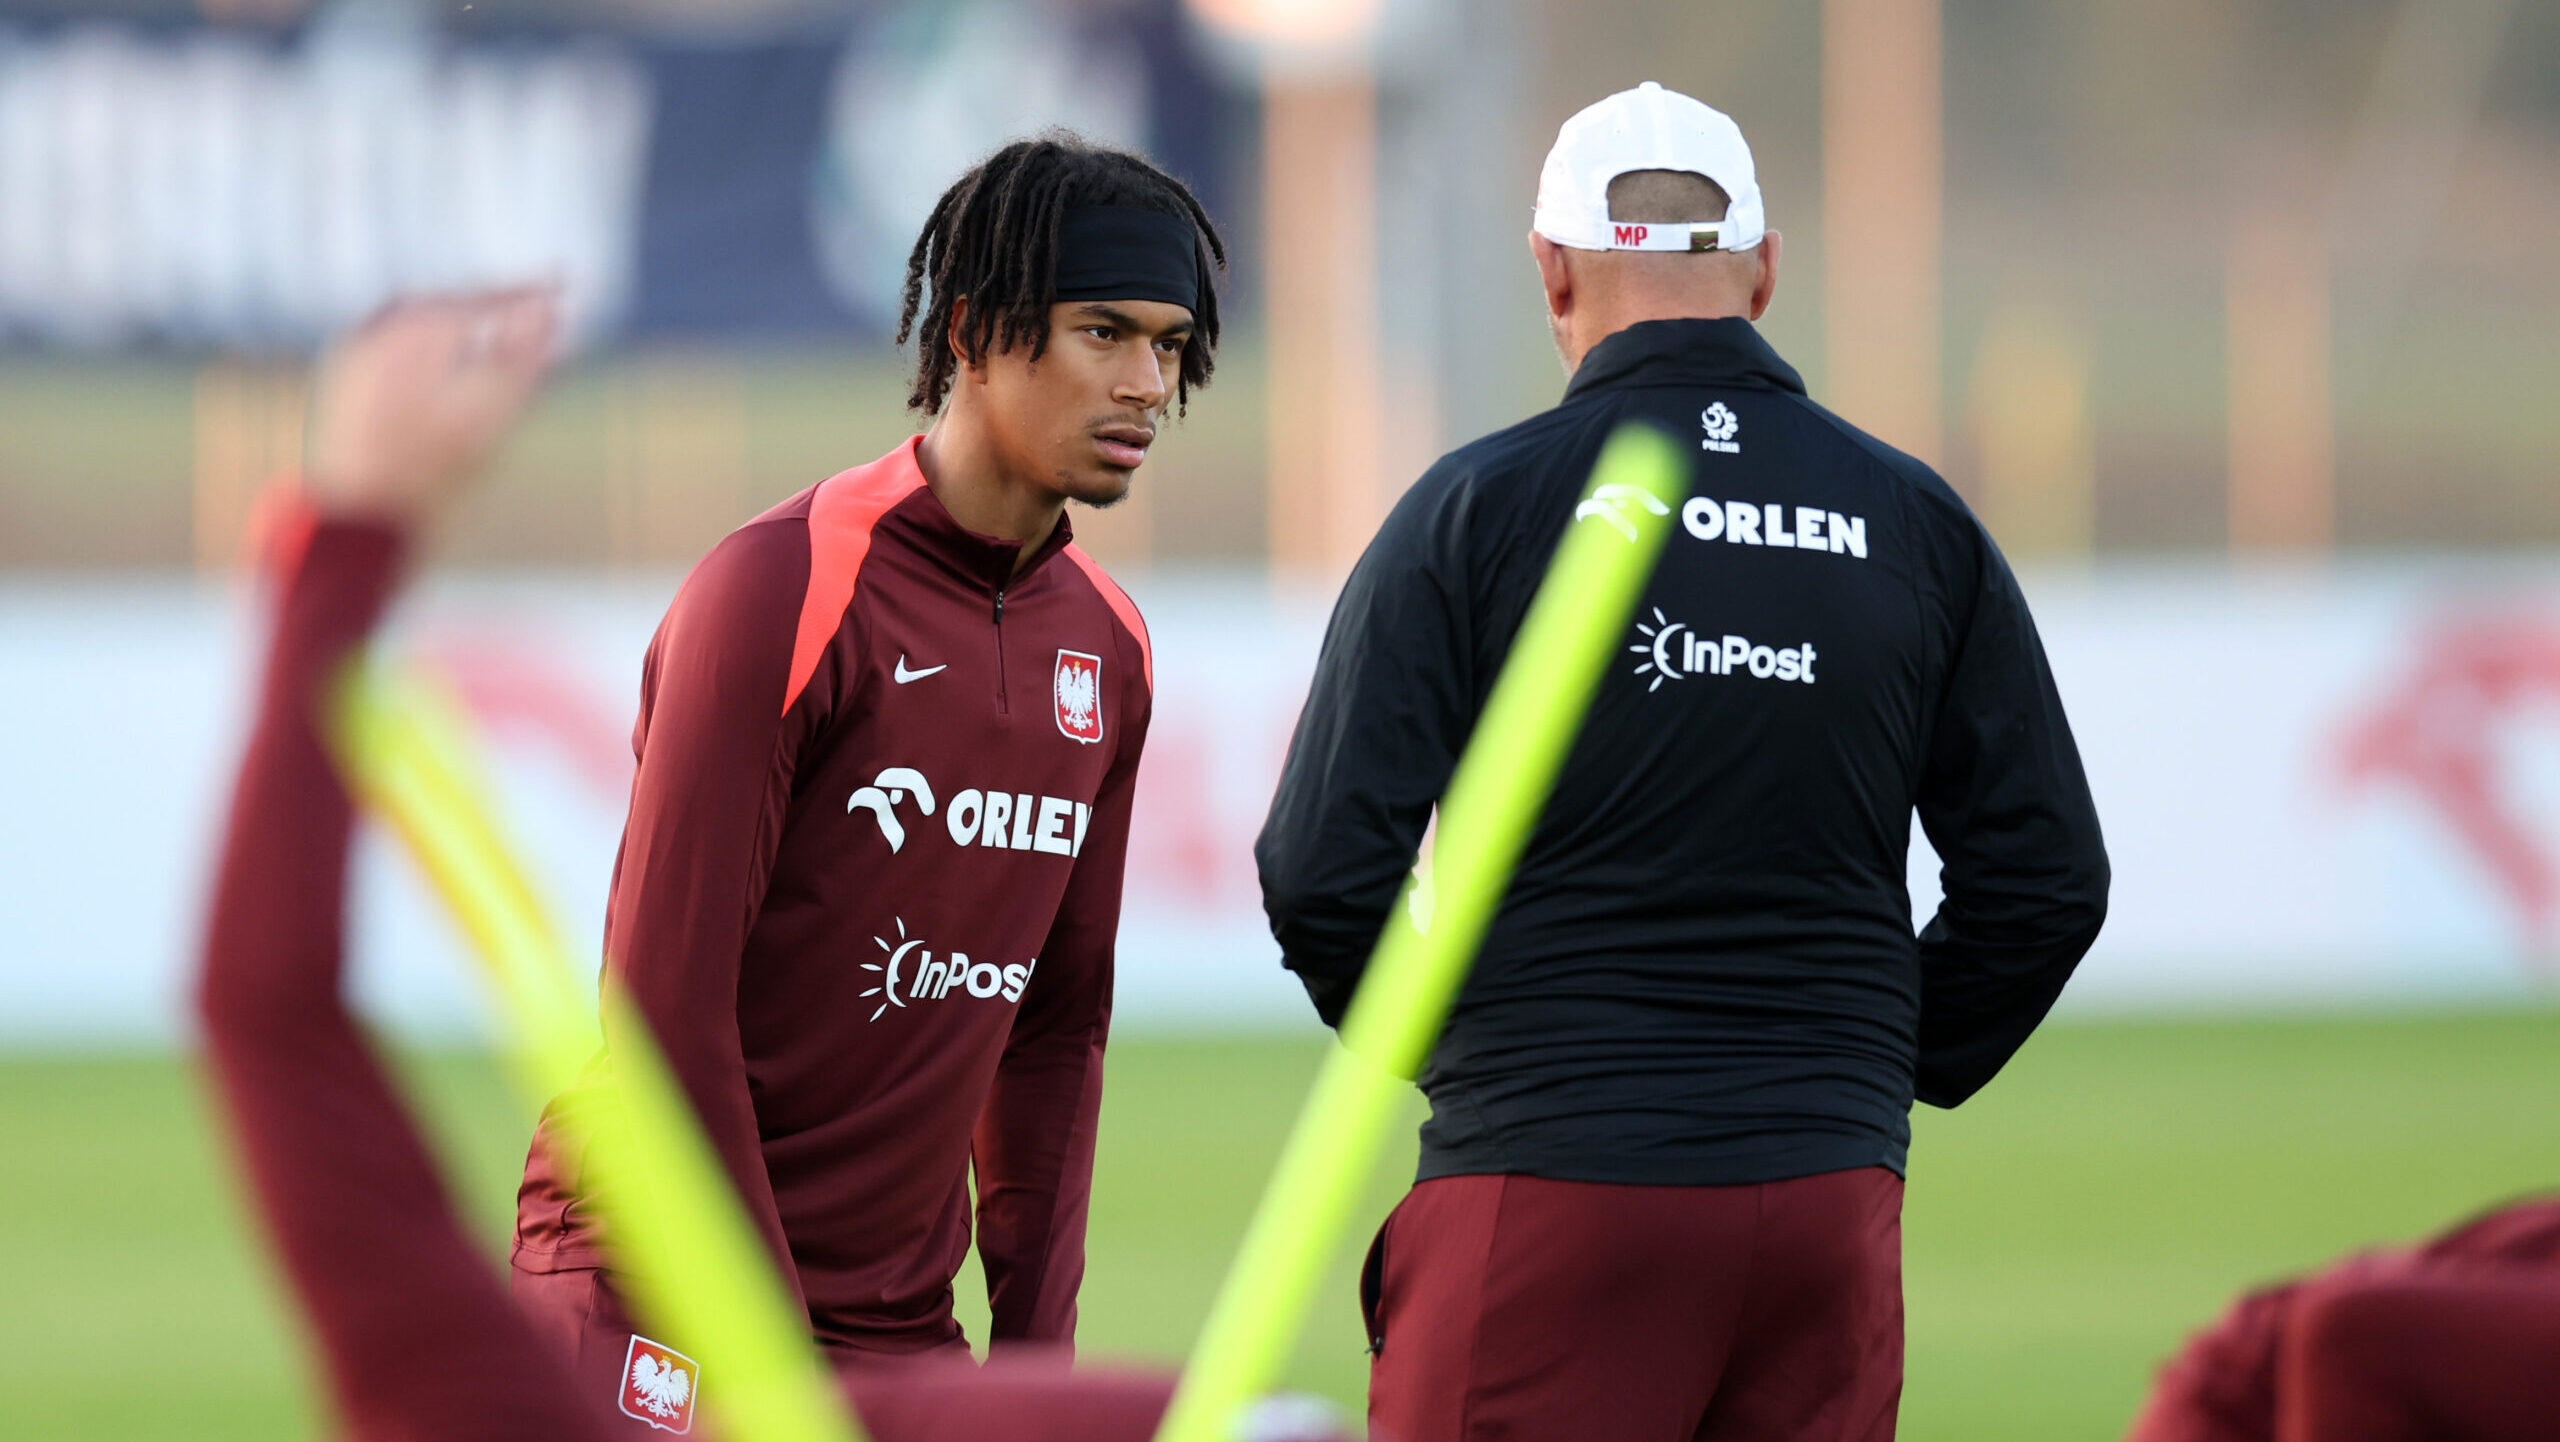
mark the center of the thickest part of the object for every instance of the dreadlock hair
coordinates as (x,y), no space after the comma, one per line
(993,237)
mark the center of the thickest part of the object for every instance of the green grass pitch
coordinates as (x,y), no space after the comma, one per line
(2063,1230)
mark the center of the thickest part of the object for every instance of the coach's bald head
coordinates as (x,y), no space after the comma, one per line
(1594,294)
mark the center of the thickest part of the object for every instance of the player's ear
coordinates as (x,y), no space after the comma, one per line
(1553,276)
(964,357)
(1764,283)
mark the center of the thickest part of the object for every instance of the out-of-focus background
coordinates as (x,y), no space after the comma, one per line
(2237,322)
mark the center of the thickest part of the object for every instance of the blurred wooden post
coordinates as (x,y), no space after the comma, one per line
(1881,180)
(1321,303)
(2283,481)
(248,431)
(676,457)
(1315,64)
(2028,410)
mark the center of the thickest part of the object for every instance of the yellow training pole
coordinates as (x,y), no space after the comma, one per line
(1494,798)
(685,1253)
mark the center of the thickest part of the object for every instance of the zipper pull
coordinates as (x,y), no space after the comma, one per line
(999,605)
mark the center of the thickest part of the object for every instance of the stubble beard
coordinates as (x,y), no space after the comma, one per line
(1101,492)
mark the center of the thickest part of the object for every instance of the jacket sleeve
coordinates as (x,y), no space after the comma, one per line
(707,803)
(1034,1143)
(417,1334)
(2005,802)
(1389,710)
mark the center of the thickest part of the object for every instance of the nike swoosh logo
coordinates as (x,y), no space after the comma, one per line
(903,675)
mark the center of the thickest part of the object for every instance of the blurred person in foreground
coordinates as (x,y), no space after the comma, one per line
(2456,1339)
(869,887)
(417,1334)
(1660,1189)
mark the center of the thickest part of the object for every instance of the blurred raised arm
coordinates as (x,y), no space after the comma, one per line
(411,1319)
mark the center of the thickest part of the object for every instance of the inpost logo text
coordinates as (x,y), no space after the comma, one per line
(1671,651)
(911,973)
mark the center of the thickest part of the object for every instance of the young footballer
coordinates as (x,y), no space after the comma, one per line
(869,885)
(1661,1185)
(416,1334)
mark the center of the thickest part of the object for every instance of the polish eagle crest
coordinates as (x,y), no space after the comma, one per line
(1078,690)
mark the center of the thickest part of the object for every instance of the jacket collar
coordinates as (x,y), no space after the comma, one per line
(1683,353)
(987,560)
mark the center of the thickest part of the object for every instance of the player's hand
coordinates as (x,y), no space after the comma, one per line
(409,404)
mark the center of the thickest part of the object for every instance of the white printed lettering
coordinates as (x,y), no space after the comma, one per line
(1023,817)
(1055,813)
(1084,814)
(1727,655)
(1849,533)
(1778,526)
(1742,523)
(963,817)
(1704,518)
(999,807)
(933,980)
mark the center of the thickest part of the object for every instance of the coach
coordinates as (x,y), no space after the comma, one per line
(1661,1184)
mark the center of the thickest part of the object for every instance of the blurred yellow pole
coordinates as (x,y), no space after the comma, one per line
(2028,409)
(2283,484)
(1881,178)
(1321,299)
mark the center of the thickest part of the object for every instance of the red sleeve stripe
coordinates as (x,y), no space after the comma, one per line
(841,517)
(281,520)
(1121,606)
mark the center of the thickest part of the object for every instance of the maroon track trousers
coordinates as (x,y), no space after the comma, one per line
(1511,1307)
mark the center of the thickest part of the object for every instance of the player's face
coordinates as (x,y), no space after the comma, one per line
(1079,420)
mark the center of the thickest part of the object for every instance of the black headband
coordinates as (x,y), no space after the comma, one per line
(1121,252)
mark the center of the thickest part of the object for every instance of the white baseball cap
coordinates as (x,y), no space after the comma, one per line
(1647,128)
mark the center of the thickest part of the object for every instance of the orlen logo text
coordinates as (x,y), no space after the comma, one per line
(1745,524)
(1014,820)
(913,974)
(1019,821)
(1673,652)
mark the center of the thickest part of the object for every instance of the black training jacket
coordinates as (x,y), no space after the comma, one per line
(1705,971)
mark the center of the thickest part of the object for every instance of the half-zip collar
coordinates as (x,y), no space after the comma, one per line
(1722,352)
(989,561)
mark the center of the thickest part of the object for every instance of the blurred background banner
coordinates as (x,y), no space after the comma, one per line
(220,186)
(2319,786)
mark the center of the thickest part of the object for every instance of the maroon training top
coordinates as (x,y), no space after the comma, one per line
(867,898)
